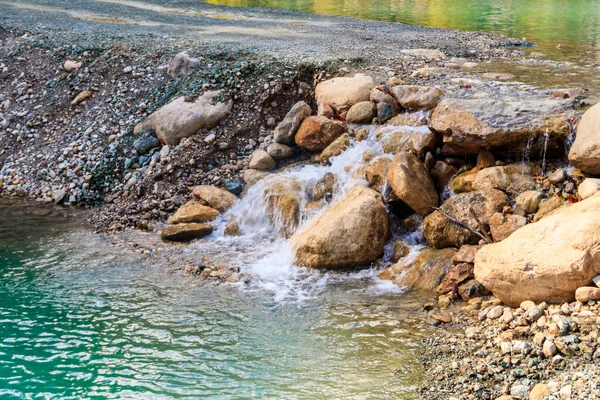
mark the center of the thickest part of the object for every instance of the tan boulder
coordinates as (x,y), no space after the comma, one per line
(400,250)
(464,182)
(361,113)
(424,272)
(376,172)
(261,161)
(185,232)
(585,151)
(587,293)
(282,198)
(528,202)
(343,92)
(316,133)
(351,232)
(417,140)
(181,118)
(502,226)
(512,179)
(473,209)
(324,187)
(411,182)
(547,260)
(548,207)
(588,188)
(217,198)
(193,211)
(487,123)
(416,98)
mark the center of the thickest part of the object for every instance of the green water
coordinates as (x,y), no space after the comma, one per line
(82,319)
(574,24)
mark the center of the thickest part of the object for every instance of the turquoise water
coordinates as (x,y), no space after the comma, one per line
(80,319)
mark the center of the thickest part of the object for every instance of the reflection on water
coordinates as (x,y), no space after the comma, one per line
(575,24)
(81,319)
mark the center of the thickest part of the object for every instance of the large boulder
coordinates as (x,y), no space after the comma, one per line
(344,92)
(585,152)
(286,130)
(411,182)
(424,272)
(415,98)
(473,209)
(217,198)
(547,260)
(351,232)
(486,123)
(417,140)
(181,118)
(193,211)
(316,133)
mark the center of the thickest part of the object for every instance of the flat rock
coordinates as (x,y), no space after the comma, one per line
(217,198)
(416,98)
(193,211)
(185,232)
(343,92)
(417,140)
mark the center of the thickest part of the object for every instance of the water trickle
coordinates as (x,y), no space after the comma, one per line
(544,150)
(570,137)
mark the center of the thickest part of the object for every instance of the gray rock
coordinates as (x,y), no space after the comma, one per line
(145,144)
(286,129)
(385,111)
(181,65)
(279,151)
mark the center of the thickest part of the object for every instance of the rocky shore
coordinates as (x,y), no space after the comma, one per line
(444,179)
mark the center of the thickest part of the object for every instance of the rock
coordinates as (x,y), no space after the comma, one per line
(411,182)
(81,97)
(565,392)
(261,161)
(549,206)
(283,204)
(512,179)
(337,147)
(234,187)
(442,173)
(425,53)
(569,93)
(145,144)
(487,123)
(217,198)
(185,232)
(427,72)
(352,232)
(233,229)
(279,151)
(285,131)
(400,250)
(485,159)
(441,232)
(466,254)
(417,140)
(425,272)
(251,176)
(316,133)
(495,312)
(457,275)
(385,111)
(325,110)
(409,119)
(416,98)
(70,65)
(343,92)
(528,202)
(558,176)
(502,226)
(182,65)
(193,211)
(597,281)
(376,172)
(180,118)
(378,95)
(324,187)
(464,182)
(547,260)
(588,188)
(59,195)
(472,289)
(585,294)
(540,392)
(549,348)
(497,76)
(361,113)
(527,305)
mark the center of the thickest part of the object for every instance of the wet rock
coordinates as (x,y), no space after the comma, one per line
(182,65)
(416,98)
(457,275)
(440,232)
(283,204)
(193,211)
(558,176)
(585,294)
(279,151)
(376,172)
(528,202)
(548,207)
(352,232)
(343,92)
(442,173)
(324,187)
(512,179)
(217,198)
(418,118)
(251,176)
(464,182)
(476,123)
(411,182)
(180,118)
(425,272)
(70,65)
(361,113)
(233,229)
(502,226)
(316,133)
(186,232)
(337,147)
(234,187)
(588,188)
(261,161)
(385,111)
(396,139)
(545,261)
(400,250)
(285,131)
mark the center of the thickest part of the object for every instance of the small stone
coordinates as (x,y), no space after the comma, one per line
(261,161)
(533,314)
(70,66)
(565,392)
(585,294)
(495,312)
(597,281)
(128,69)
(519,391)
(539,392)
(210,138)
(505,348)
(558,176)
(527,305)
(549,348)
(81,97)
(279,151)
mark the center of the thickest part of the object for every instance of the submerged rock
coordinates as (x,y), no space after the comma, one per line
(547,260)
(351,232)
(285,131)
(487,123)
(185,232)
(180,118)
(585,151)
(425,272)
(344,92)
(283,199)
(376,172)
(412,184)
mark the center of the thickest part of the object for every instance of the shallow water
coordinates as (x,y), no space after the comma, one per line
(80,318)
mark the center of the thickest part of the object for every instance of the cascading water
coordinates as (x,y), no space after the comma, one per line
(544,150)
